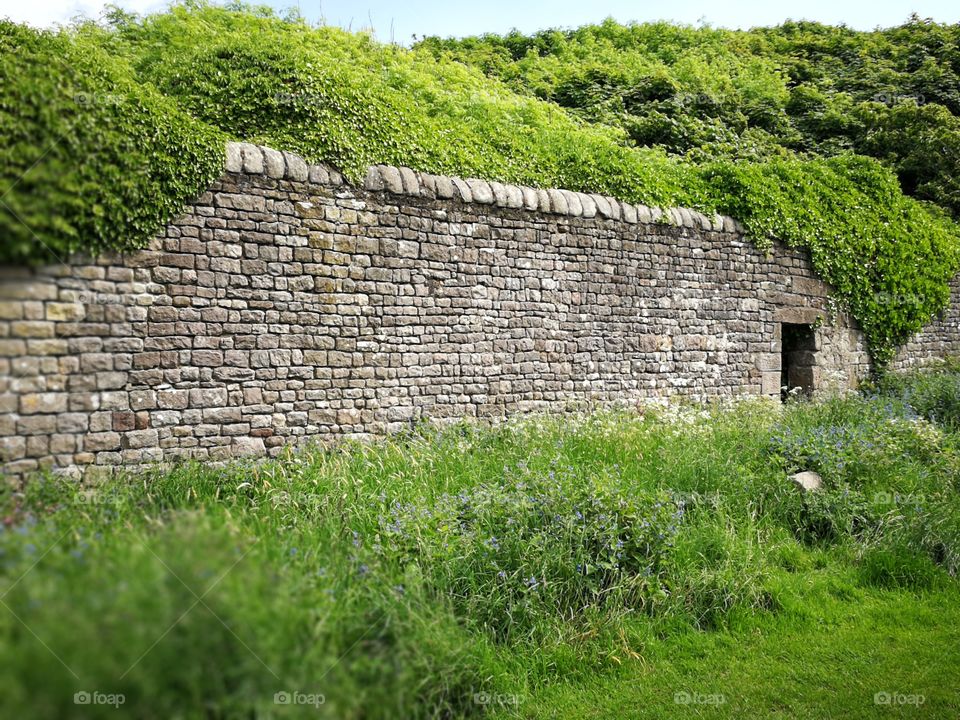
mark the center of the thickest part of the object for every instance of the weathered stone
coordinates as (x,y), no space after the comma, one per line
(234,162)
(100,442)
(273,163)
(481,191)
(558,202)
(409,181)
(807,481)
(373,181)
(392,182)
(33,403)
(65,312)
(297,169)
(443,187)
(252,159)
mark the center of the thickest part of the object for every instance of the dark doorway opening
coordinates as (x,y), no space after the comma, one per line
(798,345)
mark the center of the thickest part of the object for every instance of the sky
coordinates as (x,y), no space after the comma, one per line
(400,21)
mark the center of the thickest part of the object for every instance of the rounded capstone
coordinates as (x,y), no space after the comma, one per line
(463,189)
(499,193)
(443,187)
(558,201)
(628,212)
(373,181)
(543,200)
(514,197)
(428,184)
(645,214)
(252,159)
(296,167)
(574,207)
(391,179)
(273,163)
(587,204)
(234,161)
(530,199)
(603,205)
(482,192)
(320,176)
(410,181)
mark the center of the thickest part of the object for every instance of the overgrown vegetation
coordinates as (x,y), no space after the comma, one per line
(422,576)
(844,143)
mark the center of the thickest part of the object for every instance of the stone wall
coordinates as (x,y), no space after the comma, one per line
(940,339)
(285,304)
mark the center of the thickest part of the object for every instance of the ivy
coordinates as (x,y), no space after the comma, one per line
(106,130)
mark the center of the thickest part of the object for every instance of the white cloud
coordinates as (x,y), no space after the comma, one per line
(46,13)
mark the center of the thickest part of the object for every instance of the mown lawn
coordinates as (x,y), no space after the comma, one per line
(609,564)
(849,653)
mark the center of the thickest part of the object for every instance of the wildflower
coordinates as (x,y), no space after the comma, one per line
(363,570)
(399,589)
(493,543)
(502,574)
(532,582)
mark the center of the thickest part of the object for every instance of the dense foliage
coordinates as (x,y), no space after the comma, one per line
(108,128)
(417,576)
(771,92)
(90,157)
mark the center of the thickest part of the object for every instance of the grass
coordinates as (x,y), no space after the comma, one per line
(843,655)
(593,565)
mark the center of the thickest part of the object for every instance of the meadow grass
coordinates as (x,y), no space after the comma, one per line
(588,565)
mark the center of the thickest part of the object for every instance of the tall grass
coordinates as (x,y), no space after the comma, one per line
(418,575)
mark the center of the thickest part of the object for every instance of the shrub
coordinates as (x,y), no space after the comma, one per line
(91,158)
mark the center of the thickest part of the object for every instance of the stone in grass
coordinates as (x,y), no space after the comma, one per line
(807,481)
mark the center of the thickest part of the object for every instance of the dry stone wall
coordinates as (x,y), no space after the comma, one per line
(286,305)
(940,339)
